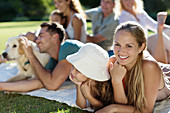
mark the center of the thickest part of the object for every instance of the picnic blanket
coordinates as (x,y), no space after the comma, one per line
(67,92)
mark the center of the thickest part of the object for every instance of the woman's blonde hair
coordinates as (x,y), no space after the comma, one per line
(76,6)
(138,6)
(135,81)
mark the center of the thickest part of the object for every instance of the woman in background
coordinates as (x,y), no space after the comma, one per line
(132,10)
(76,22)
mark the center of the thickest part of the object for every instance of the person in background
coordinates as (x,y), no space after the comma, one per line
(91,76)
(104,23)
(76,21)
(30,36)
(132,10)
(159,43)
(56,16)
(138,82)
(51,40)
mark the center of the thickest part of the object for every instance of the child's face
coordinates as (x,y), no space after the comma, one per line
(76,76)
(56,18)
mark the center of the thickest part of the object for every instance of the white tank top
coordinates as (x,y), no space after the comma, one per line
(70,30)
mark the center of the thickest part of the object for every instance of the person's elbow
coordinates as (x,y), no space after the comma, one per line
(147,110)
(80,104)
(52,87)
(98,38)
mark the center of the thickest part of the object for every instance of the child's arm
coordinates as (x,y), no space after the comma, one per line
(96,104)
(85,89)
(81,100)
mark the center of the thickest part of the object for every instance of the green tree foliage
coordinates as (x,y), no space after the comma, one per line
(40,9)
(33,9)
(152,7)
(90,3)
(155,6)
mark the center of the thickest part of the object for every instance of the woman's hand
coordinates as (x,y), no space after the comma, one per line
(117,72)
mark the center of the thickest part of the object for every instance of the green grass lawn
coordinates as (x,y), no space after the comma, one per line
(15,103)
(10,29)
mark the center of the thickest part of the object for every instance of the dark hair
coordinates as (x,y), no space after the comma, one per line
(54,28)
(104,92)
(76,6)
(63,18)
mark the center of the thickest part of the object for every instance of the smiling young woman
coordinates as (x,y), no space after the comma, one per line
(137,81)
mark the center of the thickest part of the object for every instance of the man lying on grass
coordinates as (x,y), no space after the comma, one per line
(51,41)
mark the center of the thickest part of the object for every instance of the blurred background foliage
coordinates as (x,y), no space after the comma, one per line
(31,10)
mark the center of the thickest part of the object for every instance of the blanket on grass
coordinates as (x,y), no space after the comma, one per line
(67,92)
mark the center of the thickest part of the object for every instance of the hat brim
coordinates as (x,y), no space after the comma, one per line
(87,68)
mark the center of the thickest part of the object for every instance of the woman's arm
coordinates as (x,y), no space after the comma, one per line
(152,81)
(126,16)
(117,73)
(77,24)
(116,108)
(149,22)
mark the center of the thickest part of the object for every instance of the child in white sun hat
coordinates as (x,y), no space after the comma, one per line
(91,76)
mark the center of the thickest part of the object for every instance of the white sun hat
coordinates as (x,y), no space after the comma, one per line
(91,60)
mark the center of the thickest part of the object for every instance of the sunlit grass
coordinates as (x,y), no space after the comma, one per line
(16,103)
(10,29)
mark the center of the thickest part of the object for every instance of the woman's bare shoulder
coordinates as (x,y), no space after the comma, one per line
(77,21)
(77,17)
(151,67)
(150,64)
